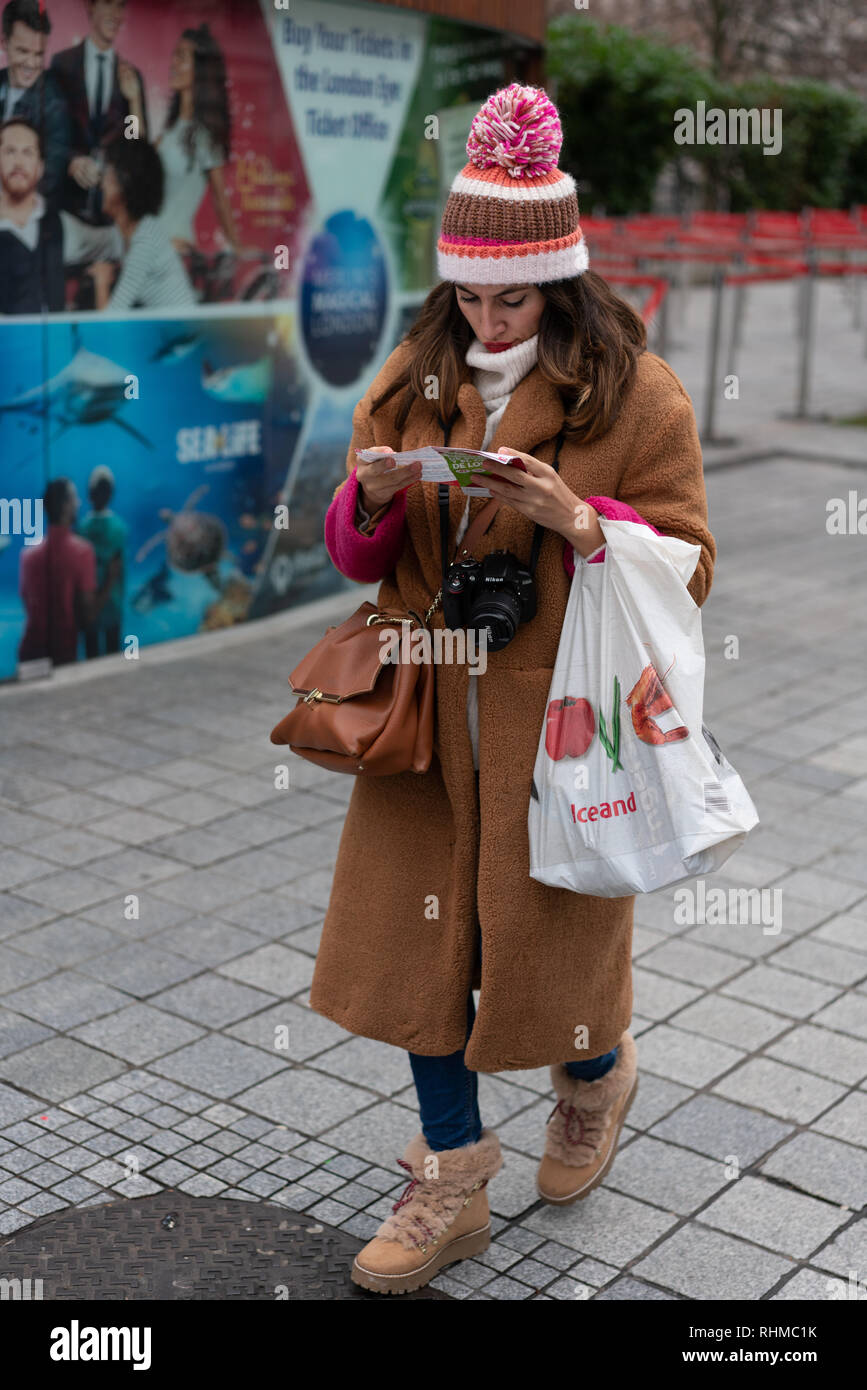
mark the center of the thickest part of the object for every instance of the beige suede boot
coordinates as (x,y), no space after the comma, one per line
(584,1127)
(441,1217)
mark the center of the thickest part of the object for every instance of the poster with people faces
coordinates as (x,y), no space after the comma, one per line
(216,222)
(145,161)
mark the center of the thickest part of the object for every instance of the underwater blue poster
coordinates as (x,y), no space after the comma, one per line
(189,427)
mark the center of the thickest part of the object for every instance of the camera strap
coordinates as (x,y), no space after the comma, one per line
(443,498)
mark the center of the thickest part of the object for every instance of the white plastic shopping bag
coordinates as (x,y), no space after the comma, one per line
(630,791)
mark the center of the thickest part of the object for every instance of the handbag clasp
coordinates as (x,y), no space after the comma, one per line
(315,695)
(376,618)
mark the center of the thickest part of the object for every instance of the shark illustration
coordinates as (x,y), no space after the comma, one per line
(176,348)
(89,390)
(247,383)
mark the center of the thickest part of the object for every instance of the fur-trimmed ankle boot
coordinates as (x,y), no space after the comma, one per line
(441,1217)
(584,1127)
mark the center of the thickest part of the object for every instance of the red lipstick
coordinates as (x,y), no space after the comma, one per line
(498,347)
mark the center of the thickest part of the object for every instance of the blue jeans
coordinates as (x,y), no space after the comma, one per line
(448,1092)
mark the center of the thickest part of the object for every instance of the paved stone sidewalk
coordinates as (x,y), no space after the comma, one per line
(138,1039)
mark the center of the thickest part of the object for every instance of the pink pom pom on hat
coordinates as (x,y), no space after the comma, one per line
(511,216)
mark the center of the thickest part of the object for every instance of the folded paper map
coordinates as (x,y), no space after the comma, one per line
(439,464)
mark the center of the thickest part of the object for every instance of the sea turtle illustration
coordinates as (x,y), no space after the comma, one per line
(195,541)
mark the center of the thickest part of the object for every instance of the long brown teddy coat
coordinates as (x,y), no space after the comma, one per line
(396,963)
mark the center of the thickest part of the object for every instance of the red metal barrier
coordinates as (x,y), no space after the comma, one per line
(657,283)
(742,249)
(714,235)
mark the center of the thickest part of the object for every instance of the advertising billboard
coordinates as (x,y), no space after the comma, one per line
(213,230)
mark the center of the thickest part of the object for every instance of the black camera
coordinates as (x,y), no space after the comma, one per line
(494,595)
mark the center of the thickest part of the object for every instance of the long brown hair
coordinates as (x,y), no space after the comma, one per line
(590,340)
(211,114)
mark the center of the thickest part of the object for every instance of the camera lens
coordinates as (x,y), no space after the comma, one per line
(500,614)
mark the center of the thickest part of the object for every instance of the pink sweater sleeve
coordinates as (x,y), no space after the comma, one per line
(612,511)
(365,559)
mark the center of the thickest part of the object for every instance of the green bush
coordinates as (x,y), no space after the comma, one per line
(855,176)
(819,125)
(618,94)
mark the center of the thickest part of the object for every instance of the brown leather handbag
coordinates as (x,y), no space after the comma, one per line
(357,713)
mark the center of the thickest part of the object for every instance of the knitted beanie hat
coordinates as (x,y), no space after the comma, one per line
(512,215)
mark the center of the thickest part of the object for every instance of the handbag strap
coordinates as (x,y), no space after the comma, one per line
(477,527)
(474,532)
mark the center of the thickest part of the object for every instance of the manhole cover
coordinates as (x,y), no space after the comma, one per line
(173,1246)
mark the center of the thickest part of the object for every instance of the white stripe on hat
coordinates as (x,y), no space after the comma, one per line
(495,269)
(515,191)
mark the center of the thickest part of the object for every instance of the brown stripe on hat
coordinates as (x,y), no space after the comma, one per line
(526,220)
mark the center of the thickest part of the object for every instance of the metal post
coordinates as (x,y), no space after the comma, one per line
(801,301)
(662,322)
(682,269)
(712,385)
(736,338)
(807,336)
(858,262)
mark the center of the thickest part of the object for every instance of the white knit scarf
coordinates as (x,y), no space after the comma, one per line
(496,374)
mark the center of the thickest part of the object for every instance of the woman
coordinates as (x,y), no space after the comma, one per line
(194,147)
(431,895)
(151,274)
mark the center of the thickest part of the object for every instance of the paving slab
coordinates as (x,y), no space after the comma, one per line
(846,1120)
(779,1090)
(773,1216)
(57,1068)
(686,1057)
(847,1252)
(827,1053)
(823,1167)
(606,1224)
(722,1130)
(707,1264)
(668,1176)
(138,1033)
